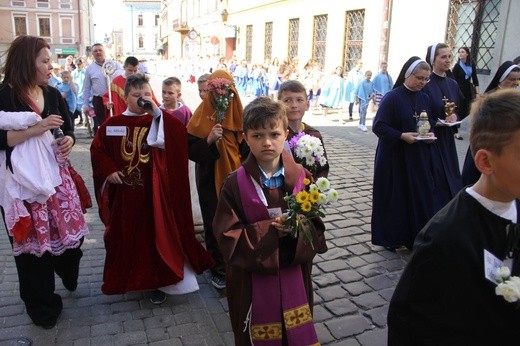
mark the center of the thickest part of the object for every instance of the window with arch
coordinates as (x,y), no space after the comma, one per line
(268,41)
(141,41)
(354,25)
(140,20)
(294,31)
(474,24)
(319,42)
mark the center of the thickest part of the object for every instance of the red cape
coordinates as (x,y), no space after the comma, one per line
(161,213)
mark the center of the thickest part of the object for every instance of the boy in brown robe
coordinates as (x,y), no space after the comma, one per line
(268,272)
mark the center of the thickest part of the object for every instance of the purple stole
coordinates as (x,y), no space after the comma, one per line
(274,296)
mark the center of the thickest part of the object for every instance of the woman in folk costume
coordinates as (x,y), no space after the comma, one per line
(45,225)
(216,148)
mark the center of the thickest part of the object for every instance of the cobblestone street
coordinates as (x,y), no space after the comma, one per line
(353,281)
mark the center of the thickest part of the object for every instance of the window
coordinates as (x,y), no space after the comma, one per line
(354,24)
(44,26)
(66,4)
(17,3)
(268,41)
(320,39)
(66,30)
(156,20)
(140,20)
(249,42)
(141,41)
(474,24)
(294,31)
(42,3)
(20,25)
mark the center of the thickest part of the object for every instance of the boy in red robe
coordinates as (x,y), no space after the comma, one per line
(140,170)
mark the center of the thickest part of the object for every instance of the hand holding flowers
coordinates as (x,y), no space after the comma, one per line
(307,204)
(220,88)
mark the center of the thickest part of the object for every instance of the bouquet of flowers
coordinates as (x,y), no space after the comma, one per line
(306,204)
(508,286)
(220,88)
(308,150)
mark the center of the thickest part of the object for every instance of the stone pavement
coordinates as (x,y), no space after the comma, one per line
(353,281)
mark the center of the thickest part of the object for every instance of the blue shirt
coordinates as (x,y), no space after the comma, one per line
(66,89)
(276,181)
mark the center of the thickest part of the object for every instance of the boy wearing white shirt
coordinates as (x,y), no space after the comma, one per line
(447,293)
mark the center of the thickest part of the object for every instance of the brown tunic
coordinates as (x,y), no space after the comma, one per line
(256,247)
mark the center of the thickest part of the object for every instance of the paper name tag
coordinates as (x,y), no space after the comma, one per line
(491,265)
(116,130)
(274,212)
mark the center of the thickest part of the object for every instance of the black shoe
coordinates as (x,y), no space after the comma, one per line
(219,282)
(70,285)
(390,248)
(157,297)
(50,323)
(459,137)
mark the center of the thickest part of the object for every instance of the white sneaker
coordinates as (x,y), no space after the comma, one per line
(364,128)
(360,127)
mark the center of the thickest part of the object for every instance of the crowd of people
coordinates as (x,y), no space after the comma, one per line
(244,168)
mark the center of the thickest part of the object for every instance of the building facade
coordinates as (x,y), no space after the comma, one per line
(65,24)
(141,34)
(340,32)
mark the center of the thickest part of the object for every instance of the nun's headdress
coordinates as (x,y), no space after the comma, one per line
(503,71)
(408,68)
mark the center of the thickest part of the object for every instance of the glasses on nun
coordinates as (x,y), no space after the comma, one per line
(421,78)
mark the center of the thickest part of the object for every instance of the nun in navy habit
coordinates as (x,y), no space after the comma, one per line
(470,174)
(402,200)
(443,89)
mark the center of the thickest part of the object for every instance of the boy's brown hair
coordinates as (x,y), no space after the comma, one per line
(263,112)
(292,86)
(172,81)
(136,81)
(495,117)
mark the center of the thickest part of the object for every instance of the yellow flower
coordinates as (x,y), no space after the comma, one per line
(306,206)
(302,196)
(314,196)
(306,181)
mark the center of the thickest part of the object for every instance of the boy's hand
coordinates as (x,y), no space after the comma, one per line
(215,134)
(278,224)
(110,105)
(116,178)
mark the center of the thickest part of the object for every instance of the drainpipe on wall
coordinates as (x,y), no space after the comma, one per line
(385,31)
(80,43)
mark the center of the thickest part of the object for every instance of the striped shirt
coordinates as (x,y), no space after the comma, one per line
(276,181)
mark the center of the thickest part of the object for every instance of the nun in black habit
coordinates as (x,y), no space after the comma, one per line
(403,187)
(442,89)
(506,77)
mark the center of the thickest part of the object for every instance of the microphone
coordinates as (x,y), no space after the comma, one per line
(144,104)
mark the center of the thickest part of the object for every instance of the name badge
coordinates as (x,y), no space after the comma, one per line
(491,265)
(116,130)
(274,212)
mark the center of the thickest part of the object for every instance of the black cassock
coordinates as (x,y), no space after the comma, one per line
(443,297)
